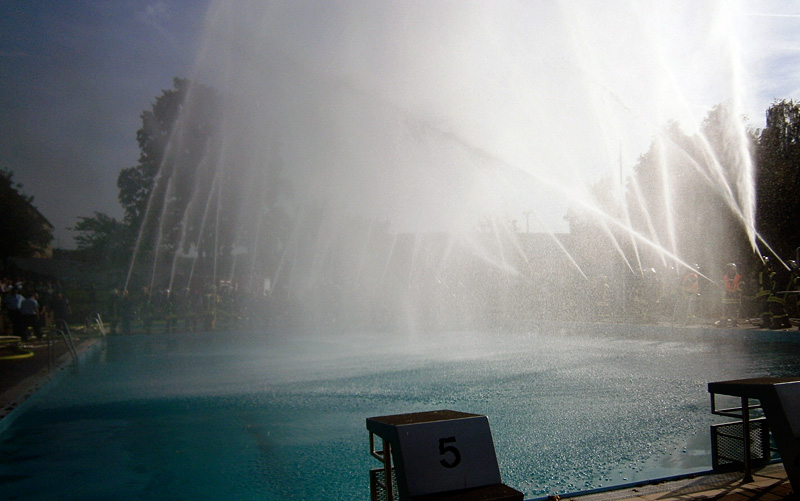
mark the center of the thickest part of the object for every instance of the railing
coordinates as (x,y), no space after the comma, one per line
(62,328)
(93,320)
(95,317)
(728,444)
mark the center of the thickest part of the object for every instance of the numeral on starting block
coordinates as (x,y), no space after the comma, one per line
(447,455)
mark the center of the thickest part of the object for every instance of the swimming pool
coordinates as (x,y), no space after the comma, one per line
(260,416)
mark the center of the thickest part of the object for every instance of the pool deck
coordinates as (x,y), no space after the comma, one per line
(769,483)
(19,379)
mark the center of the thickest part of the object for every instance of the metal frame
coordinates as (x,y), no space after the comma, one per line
(727,444)
(779,399)
(743,413)
(384,456)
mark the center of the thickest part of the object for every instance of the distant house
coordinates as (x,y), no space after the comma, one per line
(41,261)
(24,231)
(45,252)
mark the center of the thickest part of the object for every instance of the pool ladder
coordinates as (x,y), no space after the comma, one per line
(62,328)
(95,317)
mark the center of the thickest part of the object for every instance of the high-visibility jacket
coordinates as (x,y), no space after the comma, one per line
(766,283)
(733,289)
(733,285)
(690,283)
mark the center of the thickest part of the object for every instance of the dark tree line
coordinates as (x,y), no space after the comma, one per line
(685,196)
(685,191)
(778,178)
(106,240)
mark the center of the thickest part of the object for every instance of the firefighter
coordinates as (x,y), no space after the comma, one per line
(777,298)
(690,289)
(792,302)
(732,296)
(765,279)
(782,283)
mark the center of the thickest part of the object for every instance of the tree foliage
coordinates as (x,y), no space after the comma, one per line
(136,183)
(23,230)
(688,196)
(194,193)
(778,178)
(682,196)
(173,143)
(103,240)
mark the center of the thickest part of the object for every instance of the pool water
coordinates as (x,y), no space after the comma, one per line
(261,416)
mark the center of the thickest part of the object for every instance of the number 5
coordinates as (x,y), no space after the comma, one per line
(444,449)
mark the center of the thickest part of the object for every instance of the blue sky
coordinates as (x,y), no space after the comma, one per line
(74,78)
(76,75)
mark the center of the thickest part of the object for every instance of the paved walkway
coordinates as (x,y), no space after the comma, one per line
(769,483)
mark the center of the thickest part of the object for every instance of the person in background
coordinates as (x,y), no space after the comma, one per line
(731,297)
(61,309)
(777,298)
(29,310)
(12,302)
(5,322)
(690,289)
(785,283)
(793,290)
(766,284)
(126,312)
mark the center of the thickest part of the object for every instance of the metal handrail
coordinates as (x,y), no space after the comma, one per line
(63,328)
(99,321)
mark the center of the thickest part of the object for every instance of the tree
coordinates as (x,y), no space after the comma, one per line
(685,197)
(178,164)
(109,241)
(136,183)
(24,232)
(778,178)
(198,197)
(103,240)
(199,204)
(693,190)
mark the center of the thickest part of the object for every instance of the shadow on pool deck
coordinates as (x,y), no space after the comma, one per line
(769,483)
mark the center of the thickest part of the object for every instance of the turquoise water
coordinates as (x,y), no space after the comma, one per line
(258,416)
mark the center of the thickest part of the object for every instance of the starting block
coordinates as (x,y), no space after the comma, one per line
(779,398)
(436,455)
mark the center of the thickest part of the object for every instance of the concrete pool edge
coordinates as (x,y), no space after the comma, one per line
(15,395)
(769,482)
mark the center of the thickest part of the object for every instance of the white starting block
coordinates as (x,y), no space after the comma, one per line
(436,455)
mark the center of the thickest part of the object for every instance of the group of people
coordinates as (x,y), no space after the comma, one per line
(775,295)
(769,292)
(26,313)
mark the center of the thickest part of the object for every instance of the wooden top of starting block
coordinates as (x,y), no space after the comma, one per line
(421,417)
(752,388)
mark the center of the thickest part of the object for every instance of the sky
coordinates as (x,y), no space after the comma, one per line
(75,76)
